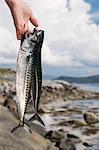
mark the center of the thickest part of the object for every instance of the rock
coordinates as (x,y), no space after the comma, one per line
(52,147)
(2,99)
(53,85)
(90,131)
(58,135)
(1,89)
(38,128)
(21,139)
(55,136)
(90,118)
(67,145)
(73,138)
(49,134)
(43,109)
(11,104)
(12,92)
(73,123)
(77,123)
(86,144)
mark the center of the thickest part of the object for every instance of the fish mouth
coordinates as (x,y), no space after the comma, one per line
(39,35)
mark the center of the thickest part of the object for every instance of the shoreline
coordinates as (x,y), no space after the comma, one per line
(68,118)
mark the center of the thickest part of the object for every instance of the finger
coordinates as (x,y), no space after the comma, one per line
(18,35)
(18,32)
(21,30)
(27,29)
(34,21)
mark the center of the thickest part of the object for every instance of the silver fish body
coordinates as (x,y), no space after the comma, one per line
(24,73)
(29,75)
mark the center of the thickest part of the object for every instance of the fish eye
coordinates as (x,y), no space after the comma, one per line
(34,39)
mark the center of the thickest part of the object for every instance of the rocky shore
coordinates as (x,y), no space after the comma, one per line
(72,126)
(20,139)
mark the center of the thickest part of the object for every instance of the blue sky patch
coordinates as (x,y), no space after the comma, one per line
(94,10)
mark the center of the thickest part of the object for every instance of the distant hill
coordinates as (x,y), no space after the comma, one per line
(89,79)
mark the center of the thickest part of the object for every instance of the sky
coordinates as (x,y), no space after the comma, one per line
(71,44)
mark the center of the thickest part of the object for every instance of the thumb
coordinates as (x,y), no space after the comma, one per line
(34,21)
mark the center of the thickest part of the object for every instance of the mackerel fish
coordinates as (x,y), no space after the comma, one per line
(37,77)
(29,75)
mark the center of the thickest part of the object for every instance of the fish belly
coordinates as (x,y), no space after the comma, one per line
(23,78)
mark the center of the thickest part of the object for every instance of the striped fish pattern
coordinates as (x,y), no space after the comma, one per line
(29,75)
(37,77)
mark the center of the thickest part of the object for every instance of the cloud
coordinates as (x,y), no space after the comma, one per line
(71,39)
(8,47)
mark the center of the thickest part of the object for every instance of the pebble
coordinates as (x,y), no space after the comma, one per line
(67,145)
(90,118)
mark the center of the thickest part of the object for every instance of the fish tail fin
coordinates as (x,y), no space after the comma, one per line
(37,117)
(21,125)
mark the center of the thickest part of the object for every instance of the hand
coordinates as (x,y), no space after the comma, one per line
(22,14)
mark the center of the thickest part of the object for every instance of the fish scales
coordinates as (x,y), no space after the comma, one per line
(38,74)
(24,77)
(29,75)
(37,78)
(23,81)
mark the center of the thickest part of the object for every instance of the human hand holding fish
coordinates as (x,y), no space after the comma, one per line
(21,14)
(29,70)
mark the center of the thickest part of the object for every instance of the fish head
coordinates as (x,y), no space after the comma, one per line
(38,34)
(28,41)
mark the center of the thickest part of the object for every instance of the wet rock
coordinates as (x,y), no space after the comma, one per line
(86,144)
(90,131)
(77,123)
(66,144)
(73,138)
(52,90)
(90,118)
(73,123)
(75,110)
(49,134)
(55,136)
(21,139)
